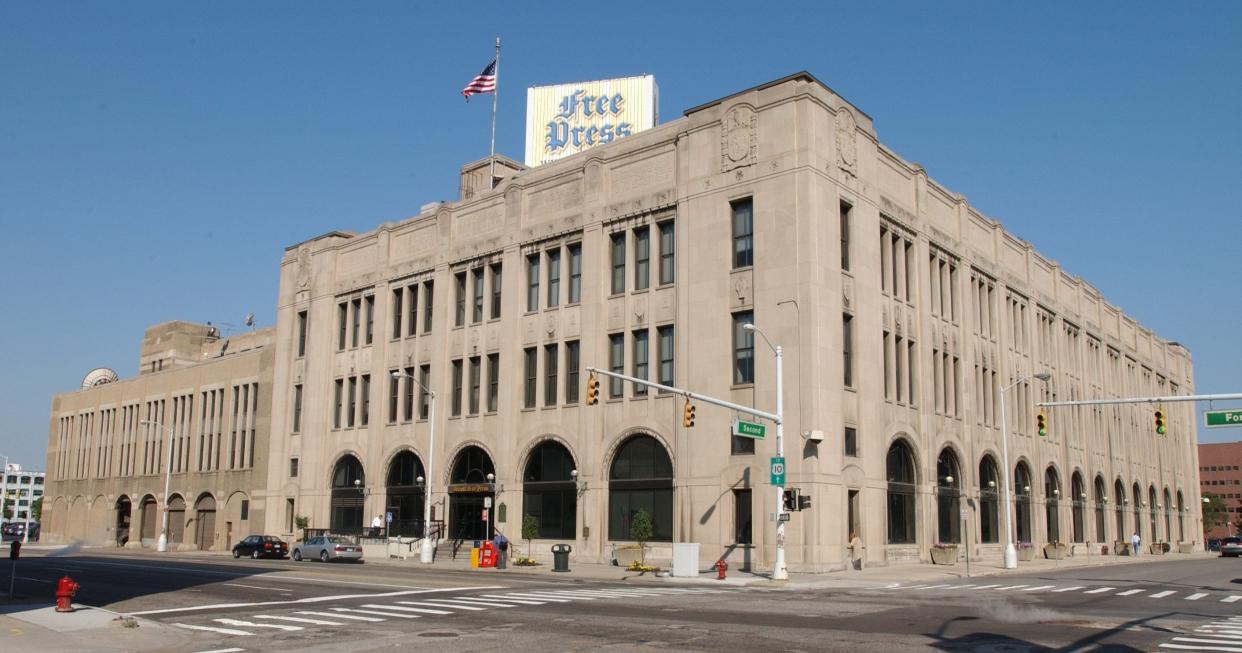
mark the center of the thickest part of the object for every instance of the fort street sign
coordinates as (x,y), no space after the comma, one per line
(1222,418)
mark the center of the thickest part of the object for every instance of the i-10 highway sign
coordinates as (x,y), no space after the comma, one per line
(1222,418)
(778,470)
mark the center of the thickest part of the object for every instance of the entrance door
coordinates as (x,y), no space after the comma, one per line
(466,515)
(205,533)
(148,520)
(122,521)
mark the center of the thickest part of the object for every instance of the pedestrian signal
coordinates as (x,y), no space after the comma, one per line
(1160,422)
(592,390)
(1041,423)
(687,418)
(790,499)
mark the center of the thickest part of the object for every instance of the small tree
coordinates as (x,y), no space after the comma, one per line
(640,530)
(530,530)
(1214,511)
(36,510)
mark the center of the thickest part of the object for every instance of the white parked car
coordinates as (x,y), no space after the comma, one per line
(326,548)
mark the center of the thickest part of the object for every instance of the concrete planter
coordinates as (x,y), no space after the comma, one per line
(1055,551)
(1026,553)
(628,554)
(944,555)
(1185,547)
(1156,548)
(1121,548)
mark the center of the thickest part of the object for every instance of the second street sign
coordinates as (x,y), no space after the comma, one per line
(749,429)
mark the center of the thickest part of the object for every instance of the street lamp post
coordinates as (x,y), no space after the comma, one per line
(1011,553)
(4,489)
(779,571)
(426,552)
(162,544)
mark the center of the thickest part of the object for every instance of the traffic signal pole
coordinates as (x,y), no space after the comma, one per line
(1141,400)
(779,570)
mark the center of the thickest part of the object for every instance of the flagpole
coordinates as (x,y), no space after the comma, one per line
(491,175)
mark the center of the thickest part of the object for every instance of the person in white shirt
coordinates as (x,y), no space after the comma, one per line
(1135,541)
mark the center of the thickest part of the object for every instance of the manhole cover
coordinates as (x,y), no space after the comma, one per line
(437,634)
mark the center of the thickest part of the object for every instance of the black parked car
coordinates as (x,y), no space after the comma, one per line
(261,546)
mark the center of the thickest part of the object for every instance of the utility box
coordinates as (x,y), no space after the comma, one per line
(686,559)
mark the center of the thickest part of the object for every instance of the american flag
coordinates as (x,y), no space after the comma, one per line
(484,82)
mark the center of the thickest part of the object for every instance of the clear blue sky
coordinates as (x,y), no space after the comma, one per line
(156,158)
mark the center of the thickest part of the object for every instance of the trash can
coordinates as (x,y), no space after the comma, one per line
(560,557)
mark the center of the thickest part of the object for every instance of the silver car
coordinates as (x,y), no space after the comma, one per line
(1230,547)
(327,547)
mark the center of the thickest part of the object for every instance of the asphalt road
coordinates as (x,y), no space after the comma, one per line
(246,605)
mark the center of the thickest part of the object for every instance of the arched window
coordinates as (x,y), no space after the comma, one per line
(348,492)
(1136,495)
(1153,508)
(549,493)
(405,495)
(641,478)
(1167,507)
(469,492)
(900,467)
(1101,530)
(1078,501)
(472,466)
(989,485)
(1052,504)
(1022,509)
(1181,512)
(1119,507)
(948,497)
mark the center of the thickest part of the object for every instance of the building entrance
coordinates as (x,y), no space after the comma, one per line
(466,515)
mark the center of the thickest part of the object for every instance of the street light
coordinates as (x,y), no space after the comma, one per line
(161,545)
(1011,553)
(426,553)
(779,571)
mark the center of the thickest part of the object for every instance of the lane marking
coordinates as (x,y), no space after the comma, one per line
(422,610)
(986,587)
(933,587)
(377,612)
(1161,595)
(465,602)
(1011,587)
(318,599)
(534,597)
(1129,592)
(1196,596)
(1070,589)
(445,604)
(213,629)
(1038,587)
(251,624)
(518,601)
(1102,589)
(562,598)
(1231,598)
(300,620)
(258,587)
(338,616)
(223,650)
(911,587)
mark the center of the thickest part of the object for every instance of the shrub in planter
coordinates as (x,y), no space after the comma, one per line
(1026,551)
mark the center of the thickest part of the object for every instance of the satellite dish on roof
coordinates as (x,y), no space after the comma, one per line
(249,321)
(99,376)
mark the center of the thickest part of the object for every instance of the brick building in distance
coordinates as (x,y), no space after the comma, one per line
(1220,472)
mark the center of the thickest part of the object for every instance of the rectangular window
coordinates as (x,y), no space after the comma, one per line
(851,441)
(301,333)
(642,258)
(743,233)
(352,402)
(551,356)
(394,394)
(667,352)
(616,363)
(617,256)
(668,253)
(477,313)
(408,413)
(571,372)
(428,304)
(641,361)
(845,235)
(411,326)
(297,408)
(370,306)
(741,446)
(496,288)
(356,307)
(530,372)
(476,380)
(847,348)
(493,382)
(459,287)
(339,391)
(532,283)
(742,521)
(743,349)
(397,296)
(342,312)
(575,273)
(455,404)
(293,468)
(554,277)
(424,398)
(365,400)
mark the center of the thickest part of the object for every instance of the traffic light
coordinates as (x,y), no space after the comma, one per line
(1160,422)
(1041,423)
(687,418)
(790,499)
(804,501)
(592,390)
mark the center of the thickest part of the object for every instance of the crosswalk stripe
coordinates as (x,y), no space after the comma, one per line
(242,622)
(915,587)
(1161,595)
(563,596)
(213,629)
(935,587)
(1070,589)
(517,601)
(378,612)
(439,604)
(352,617)
(986,587)
(300,620)
(1231,634)
(527,595)
(1129,592)
(1231,598)
(1200,640)
(494,604)
(1097,591)
(1196,596)
(1038,587)
(1184,647)
(962,587)
(224,650)
(405,609)
(618,593)
(1011,587)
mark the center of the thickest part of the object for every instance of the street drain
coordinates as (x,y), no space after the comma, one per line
(437,634)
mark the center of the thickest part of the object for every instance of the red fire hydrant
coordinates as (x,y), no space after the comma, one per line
(65,590)
(721,566)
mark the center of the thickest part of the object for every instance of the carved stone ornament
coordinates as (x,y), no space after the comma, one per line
(737,138)
(304,267)
(474,341)
(640,311)
(847,140)
(741,288)
(549,326)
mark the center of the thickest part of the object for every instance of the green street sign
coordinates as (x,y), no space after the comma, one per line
(778,470)
(1222,418)
(748,429)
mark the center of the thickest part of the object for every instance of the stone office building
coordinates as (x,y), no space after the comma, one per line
(905,316)
(200,403)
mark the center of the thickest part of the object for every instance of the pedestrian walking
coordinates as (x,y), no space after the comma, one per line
(377,525)
(1135,541)
(502,549)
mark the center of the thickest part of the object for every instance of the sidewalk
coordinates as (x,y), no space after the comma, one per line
(29,626)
